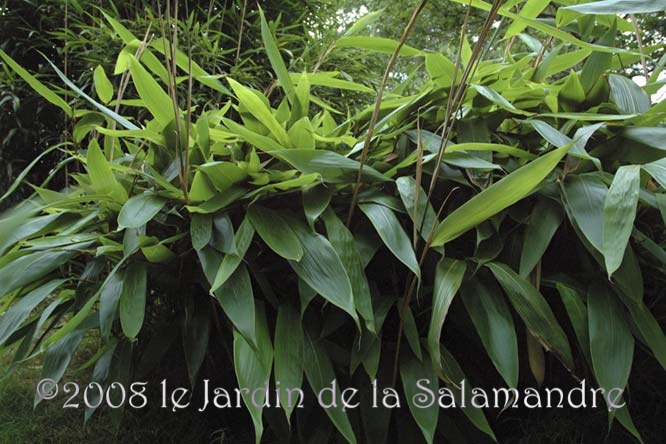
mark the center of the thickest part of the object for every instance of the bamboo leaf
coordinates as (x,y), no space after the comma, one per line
(139,210)
(201,230)
(30,268)
(611,341)
(132,305)
(320,374)
(321,268)
(534,311)
(253,370)
(237,300)
(276,232)
(585,196)
(288,356)
(273,52)
(11,320)
(103,86)
(543,223)
(344,244)
(153,96)
(413,372)
(35,84)
(619,7)
(243,238)
(394,237)
(493,322)
(497,197)
(619,215)
(448,278)
(627,95)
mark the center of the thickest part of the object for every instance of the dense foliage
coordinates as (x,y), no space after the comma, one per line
(504,221)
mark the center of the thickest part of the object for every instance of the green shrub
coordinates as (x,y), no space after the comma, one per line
(334,247)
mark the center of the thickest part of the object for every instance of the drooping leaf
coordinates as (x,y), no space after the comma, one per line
(237,300)
(534,311)
(320,374)
(493,322)
(585,196)
(611,341)
(243,238)
(394,237)
(201,230)
(288,356)
(321,268)
(11,320)
(132,305)
(619,215)
(344,244)
(30,268)
(543,223)
(448,277)
(275,231)
(253,370)
(413,372)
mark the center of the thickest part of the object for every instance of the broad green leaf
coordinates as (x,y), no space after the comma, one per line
(345,245)
(260,111)
(57,358)
(315,202)
(253,370)
(453,376)
(333,167)
(196,331)
(390,231)
(650,136)
(132,305)
(273,52)
(288,357)
(275,231)
(101,175)
(223,174)
(243,238)
(441,70)
(103,86)
(19,311)
(657,170)
(330,80)
(153,96)
(611,341)
(534,311)
(139,210)
(585,196)
(544,221)
(531,9)
(35,84)
(415,373)
(448,278)
(201,230)
(577,311)
(627,95)
(237,300)
(497,197)
(320,374)
(321,268)
(619,215)
(30,268)
(109,299)
(378,44)
(619,7)
(493,322)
